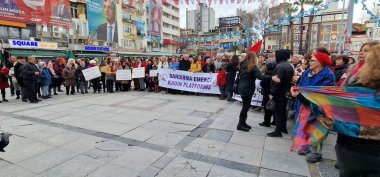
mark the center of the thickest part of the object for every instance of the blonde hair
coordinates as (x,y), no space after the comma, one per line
(370,72)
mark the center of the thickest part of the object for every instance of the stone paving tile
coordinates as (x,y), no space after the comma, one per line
(110,127)
(141,134)
(218,171)
(247,139)
(218,135)
(137,158)
(46,133)
(327,169)
(44,161)
(166,139)
(271,173)
(4,163)
(242,154)
(112,170)
(206,147)
(34,113)
(83,144)
(328,152)
(285,162)
(201,114)
(79,166)
(16,171)
(182,167)
(16,152)
(278,144)
(64,138)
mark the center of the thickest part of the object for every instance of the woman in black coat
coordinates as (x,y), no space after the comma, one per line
(231,74)
(247,78)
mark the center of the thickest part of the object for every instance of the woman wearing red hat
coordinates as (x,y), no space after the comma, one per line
(319,74)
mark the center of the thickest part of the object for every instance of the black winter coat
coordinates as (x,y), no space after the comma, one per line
(339,71)
(17,70)
(285,72)
(28,72)
(212,68)
(184,65)
(247,83)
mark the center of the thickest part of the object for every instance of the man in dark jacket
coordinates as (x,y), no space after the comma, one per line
(184,64)
(18,76)
(9,65)
(30,75)
(284,71)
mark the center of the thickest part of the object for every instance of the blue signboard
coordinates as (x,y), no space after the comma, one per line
(96,48)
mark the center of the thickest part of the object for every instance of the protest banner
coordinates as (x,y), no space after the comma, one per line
(123,75)
(138,72)
(257,97)
(188,81)
(153,73)
(91,73)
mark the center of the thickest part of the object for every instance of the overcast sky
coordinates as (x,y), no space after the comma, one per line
(226,10)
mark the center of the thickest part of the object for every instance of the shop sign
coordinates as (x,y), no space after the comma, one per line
(32,44)
(96,48)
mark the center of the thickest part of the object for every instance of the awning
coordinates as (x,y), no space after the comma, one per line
(91,55)
(37,54)
(14,24)
(158,54)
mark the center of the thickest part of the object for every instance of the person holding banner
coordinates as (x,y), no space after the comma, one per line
(247,75)
(125,84)
(141,64)
(96,81)
(69,78)
(81,79)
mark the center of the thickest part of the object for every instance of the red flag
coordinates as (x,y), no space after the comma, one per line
(256,48)
(249,1)
(199,1)
(209,2)
(164,1)
(232,1)
(238,1)
(176,2)
(154,1)
(187,2)
(220,1)
(141,1)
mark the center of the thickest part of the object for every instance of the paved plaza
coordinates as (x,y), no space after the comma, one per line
(146,134)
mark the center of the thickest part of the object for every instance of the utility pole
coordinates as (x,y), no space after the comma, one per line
(350,16)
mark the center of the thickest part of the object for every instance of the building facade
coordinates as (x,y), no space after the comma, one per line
(170,27)
(202,19)
(229,27)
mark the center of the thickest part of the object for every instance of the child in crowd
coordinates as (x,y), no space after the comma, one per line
(221,81)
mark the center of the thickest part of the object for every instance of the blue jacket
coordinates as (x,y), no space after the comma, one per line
(174,65)
(324,78)
(45,77)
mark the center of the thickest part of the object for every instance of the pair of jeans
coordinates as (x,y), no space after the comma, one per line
(45,90)
(83,86)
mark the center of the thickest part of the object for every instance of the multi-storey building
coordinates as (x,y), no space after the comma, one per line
(170,27)
(202,19)
(205,45)
(230,28)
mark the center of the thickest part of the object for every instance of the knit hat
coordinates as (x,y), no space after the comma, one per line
(282,55)
(323,59)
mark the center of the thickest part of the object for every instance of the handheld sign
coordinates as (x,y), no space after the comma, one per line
(123,75)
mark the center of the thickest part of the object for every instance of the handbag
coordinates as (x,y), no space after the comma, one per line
(271,105)
(235,87)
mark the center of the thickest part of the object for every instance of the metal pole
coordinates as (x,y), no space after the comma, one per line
(341,36)
(350,17)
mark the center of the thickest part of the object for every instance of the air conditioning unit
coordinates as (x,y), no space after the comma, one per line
(65,35)
(56,35)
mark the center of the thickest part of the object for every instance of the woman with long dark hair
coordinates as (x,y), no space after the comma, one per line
(247,75)
(231,74)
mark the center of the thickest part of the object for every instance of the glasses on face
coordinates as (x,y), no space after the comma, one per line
(313,60)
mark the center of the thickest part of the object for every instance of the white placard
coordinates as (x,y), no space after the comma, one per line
(123,75)
(257,97)
(188,81)
(153,73)
(91,73)
(138,72)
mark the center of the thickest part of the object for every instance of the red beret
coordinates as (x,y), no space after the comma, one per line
(323,59)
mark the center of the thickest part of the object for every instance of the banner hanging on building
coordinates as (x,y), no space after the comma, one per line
(188,81)
(47,12)
(102,21)
(257,97)
(155,18)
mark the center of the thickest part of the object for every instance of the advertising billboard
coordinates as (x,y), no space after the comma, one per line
(140,29)
(155,18)
(49,12)
(102,20)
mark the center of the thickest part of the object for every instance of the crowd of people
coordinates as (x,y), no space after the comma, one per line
(281,74)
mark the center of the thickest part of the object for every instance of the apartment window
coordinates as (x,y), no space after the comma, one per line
(326,37)
(269,38)
(139,18)
(327,28)
(14,32)
(127,29)
(74,10)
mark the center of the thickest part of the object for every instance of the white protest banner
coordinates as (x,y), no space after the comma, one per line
(188,81)
(123,75)
(257,97)
(153,73)
(91,73)
(138,72)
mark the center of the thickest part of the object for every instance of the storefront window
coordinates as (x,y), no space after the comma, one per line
(25,33)
(3,31)
(14,32)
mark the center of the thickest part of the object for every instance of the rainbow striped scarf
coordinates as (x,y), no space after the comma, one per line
(352,111)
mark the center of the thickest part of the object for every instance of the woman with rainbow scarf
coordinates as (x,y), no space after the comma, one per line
(353,111)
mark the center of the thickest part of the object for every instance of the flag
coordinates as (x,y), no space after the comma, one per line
(164,1)
(238,1)
(176,2)
(256,48)
(232,1)
(199,1)
(209,2)
(187,2)
(249,1)
(220,1)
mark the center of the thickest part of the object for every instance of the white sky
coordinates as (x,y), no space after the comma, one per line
(226,10)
